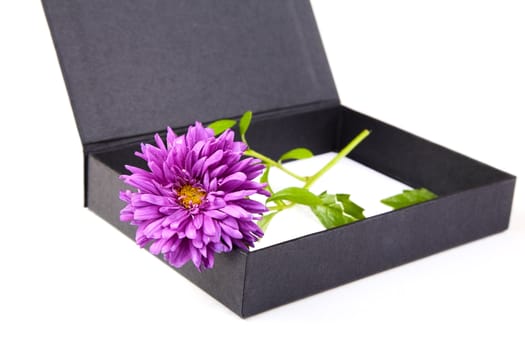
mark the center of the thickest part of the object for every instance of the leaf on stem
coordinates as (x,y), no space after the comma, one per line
(265,220)
(408,198)
(349,207)
(297,153)
(296,195)
(222,125)
(244,124)
(264,178)
(337,210)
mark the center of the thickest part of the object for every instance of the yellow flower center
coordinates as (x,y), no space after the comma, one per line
(190,196)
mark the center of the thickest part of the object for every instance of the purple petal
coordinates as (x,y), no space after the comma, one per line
(196,170)
(180,256)
(174,244)
(125,196)
(218,171)
(228,242)
(146,213)
(140,238)
(218,247)
(140,182)
(197,221)
(175,219)
(195,257)
(198,147)
(135,170)
(232,222)
(170,137)
(213,159)
(216,203)
(208,227)
(230,231)
(153,229)
(156,247)
(234,177)
(153,199)
(239,195)
(167,233)
(216,214)
(251,205)
(236,212)
(197,243)
(190,231)
(159,142)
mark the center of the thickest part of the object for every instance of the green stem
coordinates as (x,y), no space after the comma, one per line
(269,161)
(343,153)
(280,206)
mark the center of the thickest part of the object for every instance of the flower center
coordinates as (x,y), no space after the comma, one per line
(190,196)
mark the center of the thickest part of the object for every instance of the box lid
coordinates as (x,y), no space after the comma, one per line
(133,67)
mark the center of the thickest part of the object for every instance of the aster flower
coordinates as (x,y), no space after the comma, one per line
(192,202)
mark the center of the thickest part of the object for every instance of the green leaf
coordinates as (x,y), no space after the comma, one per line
(265,220)
(408,198)
(349,207)
(222,125)
(244,124)
(297,153)
(337,210)
(330,215)
(296,195)
(264,178)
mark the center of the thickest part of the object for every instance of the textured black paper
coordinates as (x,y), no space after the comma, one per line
(133,67)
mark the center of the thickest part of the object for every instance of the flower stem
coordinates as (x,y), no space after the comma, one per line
(269,161)
(280,207)
(343,153)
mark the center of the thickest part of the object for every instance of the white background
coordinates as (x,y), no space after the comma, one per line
(450,71)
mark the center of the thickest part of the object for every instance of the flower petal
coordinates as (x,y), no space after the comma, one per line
(196,257)
(238,195)
(216,214)
(190,231)
(230,231)
(213,159)
(236,211)
(197,221)
(175,219)
(208,227)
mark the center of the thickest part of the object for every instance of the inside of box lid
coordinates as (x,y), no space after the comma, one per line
(133,67)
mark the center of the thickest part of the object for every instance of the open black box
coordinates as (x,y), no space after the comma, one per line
(302,109)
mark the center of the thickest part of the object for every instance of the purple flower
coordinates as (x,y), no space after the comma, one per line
(193,201)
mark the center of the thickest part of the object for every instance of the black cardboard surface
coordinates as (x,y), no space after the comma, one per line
(474,201)
(132,67)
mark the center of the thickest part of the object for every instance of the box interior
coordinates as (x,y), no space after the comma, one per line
(388,150)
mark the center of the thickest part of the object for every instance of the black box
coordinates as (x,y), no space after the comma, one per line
(133,67)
